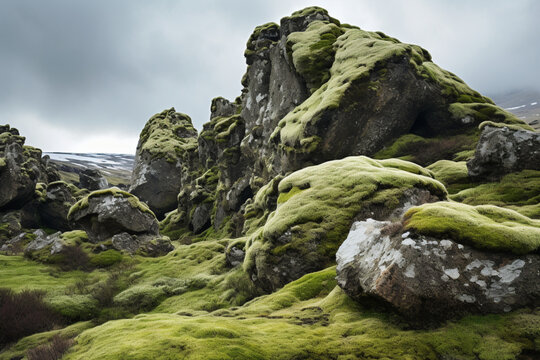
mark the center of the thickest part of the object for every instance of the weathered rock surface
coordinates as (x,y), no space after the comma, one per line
(43,240)
(165,151)
(150,245)
(316,207)
(92,179)
(316,90)
(55,203)
(21,167)
(429,279)
(502,150)
(105,213)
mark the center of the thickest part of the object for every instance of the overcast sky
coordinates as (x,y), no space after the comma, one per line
(85,76)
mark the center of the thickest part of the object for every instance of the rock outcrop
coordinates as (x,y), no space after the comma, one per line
(317,205)
(105,213)
(164,154)
(21,168)
(435,266)
(55,201)
(504,149)
(92,179)
(314,90)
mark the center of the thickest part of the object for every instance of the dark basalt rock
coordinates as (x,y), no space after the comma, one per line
(502,150)
(92,179)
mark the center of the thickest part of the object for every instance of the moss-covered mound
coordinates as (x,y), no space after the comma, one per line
(310,318)
(485,226)
(316,207)
(164,135)
(518,191)
(115,192)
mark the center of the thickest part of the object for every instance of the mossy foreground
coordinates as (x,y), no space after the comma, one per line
(310,318)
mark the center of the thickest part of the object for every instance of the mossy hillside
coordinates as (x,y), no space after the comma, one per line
(18,273)
(485,227)
(262,204)
(192,277)
(19,350)
(168,135)
(326,199)
(488,113)
(313,52)
(426,151)
(310,318)
(518,191)
(453,174)
(115,192)
(359,54)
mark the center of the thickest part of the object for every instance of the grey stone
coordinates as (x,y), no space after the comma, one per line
(503,150)
(428,279)
(92,179)
(125,242)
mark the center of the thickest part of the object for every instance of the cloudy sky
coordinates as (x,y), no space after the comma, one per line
(85,76)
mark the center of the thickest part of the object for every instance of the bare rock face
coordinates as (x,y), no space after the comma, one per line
(166,149)
(21,167)
(92,179)
(428,279)
(502,150)
(55,204)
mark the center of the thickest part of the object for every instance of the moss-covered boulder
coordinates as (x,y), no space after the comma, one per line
(104,213)
(166,153)
(317,205)
(21,167)
(445,259)
(55,200)
(503,149)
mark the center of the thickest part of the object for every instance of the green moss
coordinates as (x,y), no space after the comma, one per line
(106,258)
(18,273)
(488,113)
(310,318)
(2,162)
(425,151)
(283,197)
(75,237)
(114,191)
(518,125)
(263,204)
(140,297)
(251,46)
(74,307)
(313,52)
(484,226)
(319,217)
(518,191)
(19,350)
(160,136)
(454,175)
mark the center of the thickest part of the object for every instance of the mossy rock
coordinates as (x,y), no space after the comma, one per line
(484,226)
(74,307)
(106,258)
(316,207)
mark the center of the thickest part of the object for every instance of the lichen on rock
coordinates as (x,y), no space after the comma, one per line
(307,227)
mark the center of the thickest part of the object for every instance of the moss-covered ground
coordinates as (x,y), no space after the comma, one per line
(310,318)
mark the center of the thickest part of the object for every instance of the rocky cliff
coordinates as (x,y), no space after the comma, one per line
(355,201)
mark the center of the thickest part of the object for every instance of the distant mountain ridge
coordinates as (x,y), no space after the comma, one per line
(523,103)
(116,168)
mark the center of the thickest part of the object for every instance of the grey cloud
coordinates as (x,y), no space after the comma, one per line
(87,66)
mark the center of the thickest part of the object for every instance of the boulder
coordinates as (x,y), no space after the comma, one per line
(431,278)
(316,207)
(105,213)
(92,179)
(55,203)
(504,149)
(166,149)
(21,168)
(43,240)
